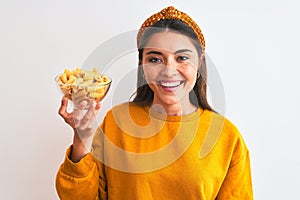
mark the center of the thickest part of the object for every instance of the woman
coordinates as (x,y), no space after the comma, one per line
(167,143)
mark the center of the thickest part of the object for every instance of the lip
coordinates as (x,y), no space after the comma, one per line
(170,85)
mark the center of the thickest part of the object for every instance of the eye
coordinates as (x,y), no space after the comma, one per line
(182,58)
(154,60)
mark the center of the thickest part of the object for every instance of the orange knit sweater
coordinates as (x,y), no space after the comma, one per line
(139,154)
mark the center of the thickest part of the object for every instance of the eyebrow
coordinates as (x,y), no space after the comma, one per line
(183,50)
(176,52)
(154,52)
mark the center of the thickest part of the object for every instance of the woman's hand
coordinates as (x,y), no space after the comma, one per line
(82,123)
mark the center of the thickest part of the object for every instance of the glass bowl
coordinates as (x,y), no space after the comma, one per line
(83,85)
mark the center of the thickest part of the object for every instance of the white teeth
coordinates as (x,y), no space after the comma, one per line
(170,84)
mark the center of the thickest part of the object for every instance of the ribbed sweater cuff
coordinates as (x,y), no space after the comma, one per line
(80,169)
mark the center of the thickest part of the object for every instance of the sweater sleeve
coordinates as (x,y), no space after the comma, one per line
(237,183)
(78,180)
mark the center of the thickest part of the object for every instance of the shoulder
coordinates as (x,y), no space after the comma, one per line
(219,122)
(225,133)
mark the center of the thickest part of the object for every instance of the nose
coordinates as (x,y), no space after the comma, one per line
(169,68)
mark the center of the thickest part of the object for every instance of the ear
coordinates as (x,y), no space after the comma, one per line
(201,58)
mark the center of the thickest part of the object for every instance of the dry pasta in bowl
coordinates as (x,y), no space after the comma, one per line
(79,85)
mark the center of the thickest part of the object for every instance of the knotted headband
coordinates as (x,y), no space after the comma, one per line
(172,13)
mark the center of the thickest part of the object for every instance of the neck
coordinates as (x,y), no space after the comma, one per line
(174,109)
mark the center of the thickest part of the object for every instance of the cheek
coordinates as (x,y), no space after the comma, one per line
(189,72)
(150,74)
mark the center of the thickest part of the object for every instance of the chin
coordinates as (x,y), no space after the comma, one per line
(169,100)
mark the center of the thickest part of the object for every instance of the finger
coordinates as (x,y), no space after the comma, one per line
(63,107)
(82,105)
(88,117)
(78,112)
(68,117)
(98,106)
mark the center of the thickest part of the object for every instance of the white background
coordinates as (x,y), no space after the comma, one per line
(254,45)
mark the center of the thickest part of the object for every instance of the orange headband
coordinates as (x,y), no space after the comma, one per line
(172,13)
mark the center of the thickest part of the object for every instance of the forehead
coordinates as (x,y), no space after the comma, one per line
(170,41)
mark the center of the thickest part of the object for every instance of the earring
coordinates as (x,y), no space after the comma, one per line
(198,74)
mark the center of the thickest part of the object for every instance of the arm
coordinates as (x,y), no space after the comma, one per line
(82,125)
(78,177)
(78,180)
(237,183)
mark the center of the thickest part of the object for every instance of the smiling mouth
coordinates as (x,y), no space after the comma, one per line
(170,84)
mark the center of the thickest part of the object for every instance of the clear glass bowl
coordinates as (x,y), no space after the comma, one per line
(84,91)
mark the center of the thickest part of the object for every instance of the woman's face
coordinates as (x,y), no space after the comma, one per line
(170,63)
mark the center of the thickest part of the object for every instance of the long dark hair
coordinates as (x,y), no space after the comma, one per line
(144,95)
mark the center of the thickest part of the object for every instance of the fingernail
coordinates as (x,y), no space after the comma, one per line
(82,104)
